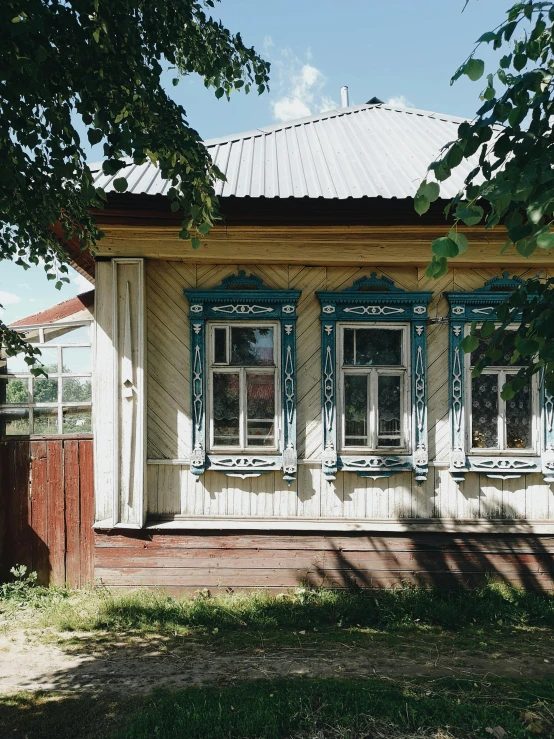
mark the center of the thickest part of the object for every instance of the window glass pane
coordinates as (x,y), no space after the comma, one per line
(76,360)
(389,408)
(484,412)
(49,358)
(376,346)
(46,421)
(348,347)
(251,346)
(14,391)
(226,409)
(220,345)
(355,410)
(45,390)
(77,421)
(14,422)
(76,389)
(260,403)
(518,420)
(504,361)
(67,335)
(17,364)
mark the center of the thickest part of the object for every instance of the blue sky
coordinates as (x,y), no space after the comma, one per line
(402,51)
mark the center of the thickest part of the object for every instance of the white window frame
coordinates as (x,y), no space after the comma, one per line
(59,404)
(226,368)
(501,371)
(404,371)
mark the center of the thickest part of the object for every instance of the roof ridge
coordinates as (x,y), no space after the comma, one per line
(333,113)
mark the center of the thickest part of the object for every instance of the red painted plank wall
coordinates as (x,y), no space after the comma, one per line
(47,499)
(190,561)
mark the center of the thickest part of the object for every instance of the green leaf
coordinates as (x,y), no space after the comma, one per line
(459,239)
(219,93)
(444,247)
(421,204)
(195,243)
(507,393)
(429,190)
(526,347)
(546,240)
(487,329)
(204,229)
(94,136)
(474,69)
(469,344)
(520,60)
(120,184)
(487,37)
(470,215)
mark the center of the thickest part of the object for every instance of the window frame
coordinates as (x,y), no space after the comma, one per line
(227,368)
(402,370)
(475,307)
(59,404)
(374,302)
(242,298)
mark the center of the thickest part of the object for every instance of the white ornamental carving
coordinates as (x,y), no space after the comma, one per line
(328,390)
(288,329)
(457,390)
(421,458)
(420,390)
(288,309)
(231,463)
(371,463)
(457,459)
(289,385)
(458,310)
(419,330)
(483,311)
(197,387)
(457,330)
(374,310)
(196,308)
(197,327)
(242,309)
(328,308)
(419,310)
(328,329)
(503,464)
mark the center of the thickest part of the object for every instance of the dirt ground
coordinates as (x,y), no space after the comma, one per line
(87,662)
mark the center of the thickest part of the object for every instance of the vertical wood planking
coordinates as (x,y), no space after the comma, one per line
(39,510)
(56,512)
(86,485)
(21,528)
(72,514)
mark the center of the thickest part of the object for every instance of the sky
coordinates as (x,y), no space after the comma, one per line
(403,52)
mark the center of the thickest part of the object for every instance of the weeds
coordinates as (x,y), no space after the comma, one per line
(24,591)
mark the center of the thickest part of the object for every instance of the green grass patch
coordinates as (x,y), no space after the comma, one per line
(293,708)
(150,611)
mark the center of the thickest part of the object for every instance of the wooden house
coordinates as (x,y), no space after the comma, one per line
(289,403)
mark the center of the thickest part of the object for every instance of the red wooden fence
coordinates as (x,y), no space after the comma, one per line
(46,504)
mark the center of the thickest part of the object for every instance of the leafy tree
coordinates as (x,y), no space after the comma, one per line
(511,185)
(100,62)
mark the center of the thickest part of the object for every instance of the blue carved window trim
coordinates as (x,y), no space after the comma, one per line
(465,308)
(374,300)
(243,297)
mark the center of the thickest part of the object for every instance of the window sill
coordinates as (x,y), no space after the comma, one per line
(48,437)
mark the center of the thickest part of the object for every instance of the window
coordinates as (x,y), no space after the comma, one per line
(58,404)
(243,362)
(243,383)
(501,439)
(374,379)
(496,424)
(374,365)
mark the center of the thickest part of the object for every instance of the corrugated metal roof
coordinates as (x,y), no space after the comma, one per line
(362,151)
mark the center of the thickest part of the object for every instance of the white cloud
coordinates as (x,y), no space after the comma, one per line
(7,298)
(81,283)
(400,101)
(300,86)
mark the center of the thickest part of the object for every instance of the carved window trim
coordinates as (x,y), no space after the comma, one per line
(244,298)
(373,301)
(465,308)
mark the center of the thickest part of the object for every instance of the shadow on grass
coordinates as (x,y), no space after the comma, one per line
(292,708)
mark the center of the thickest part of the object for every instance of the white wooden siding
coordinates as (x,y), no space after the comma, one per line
(174,491)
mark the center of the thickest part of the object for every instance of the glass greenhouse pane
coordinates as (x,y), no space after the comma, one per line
(76,389)
(76,359)
(67,335)
(77,420)
(45,390)
(14,422)
(46,421)
(14,391)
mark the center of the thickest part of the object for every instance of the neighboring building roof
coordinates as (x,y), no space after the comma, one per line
(58,312)
(363,151)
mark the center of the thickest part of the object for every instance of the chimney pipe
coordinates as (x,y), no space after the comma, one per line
(344,97)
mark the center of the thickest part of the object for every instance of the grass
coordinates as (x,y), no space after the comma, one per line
(299,709)
(148,611)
